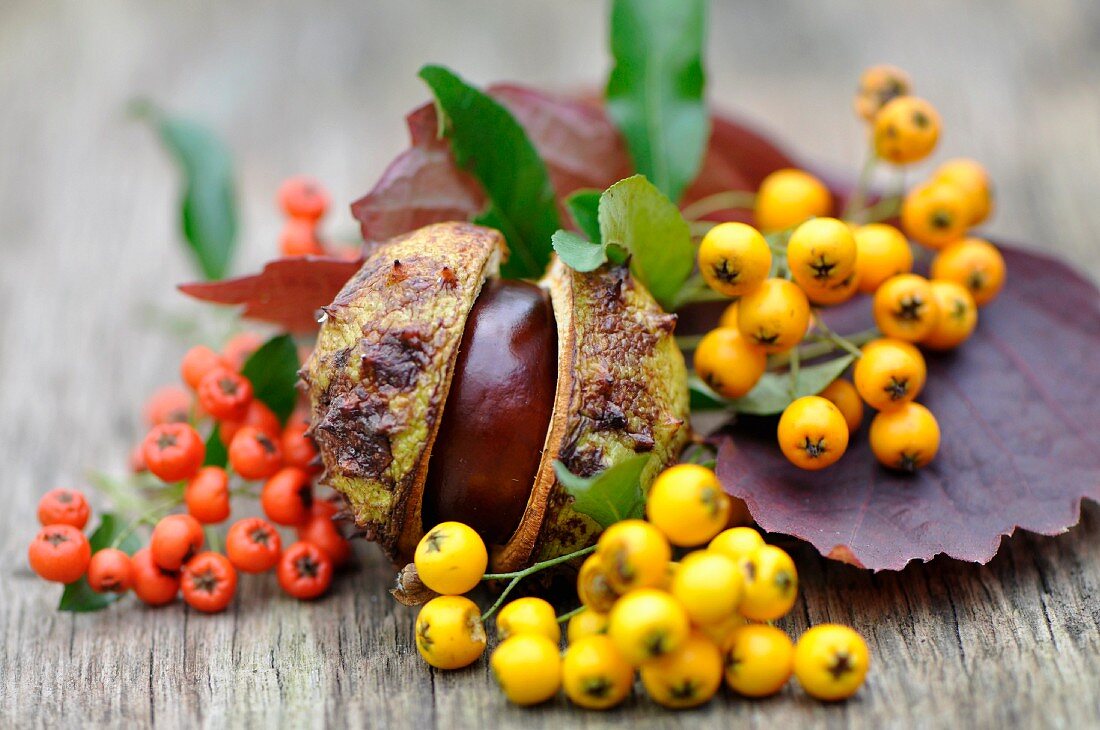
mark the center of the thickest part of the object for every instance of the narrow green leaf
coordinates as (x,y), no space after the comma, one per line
(612,495)
(216,452)
(208,209)
(273,372)
(773,393)
(584,207)
(638,217)
(79,597)
(488,141)
(578,253)
(655,91)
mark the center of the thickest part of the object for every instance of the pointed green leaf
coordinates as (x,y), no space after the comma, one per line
(578,253)
(772,393)
(612,495)
(273,372)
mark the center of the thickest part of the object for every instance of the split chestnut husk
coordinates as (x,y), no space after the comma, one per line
(426,343)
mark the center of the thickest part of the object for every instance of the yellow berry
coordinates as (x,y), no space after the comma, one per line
(586,623)
(881,252)
(633,554)
(831,662)
(889,374)
(958,316)
(844,396)
(451,558)
(736,543)
(734,258)
(593,588)
(719,631)
(974,263)
(528,615)
(449,632)
(771,584)
(829,295)
(775,315)
(905,308)
(729,316)
(686,677)
(708,586)
(687,504)
(974,180)
(821,252)
(646,624)
(595,675)
(906,438)
(906,130)
(759,660)
(788,197)
(528,668)
(879,85)
(935,214)
(728,362)
(812,433)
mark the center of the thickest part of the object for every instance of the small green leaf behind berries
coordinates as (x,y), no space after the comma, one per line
(610,496)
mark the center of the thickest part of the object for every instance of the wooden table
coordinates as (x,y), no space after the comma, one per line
(90,326)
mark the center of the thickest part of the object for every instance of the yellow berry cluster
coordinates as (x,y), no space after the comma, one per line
(797,259)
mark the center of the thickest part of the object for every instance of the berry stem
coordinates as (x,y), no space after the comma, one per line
(570,614)
(213,539)
(148,517)
(726,200)
(853,209)
(817,349)
(519,575)
(795,366)
(833,337)
(884,209)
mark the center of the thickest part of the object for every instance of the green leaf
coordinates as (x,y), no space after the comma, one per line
(655,91)
(584,207)
(772,393)
(79,596)
(578,253)
(273,372)
(216,452)
(488,141)
(703,398)
(637,216)
(612,495)
(208,209)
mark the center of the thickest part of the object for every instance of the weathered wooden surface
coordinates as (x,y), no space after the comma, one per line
(87,263)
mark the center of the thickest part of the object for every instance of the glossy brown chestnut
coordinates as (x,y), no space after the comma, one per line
(495,420)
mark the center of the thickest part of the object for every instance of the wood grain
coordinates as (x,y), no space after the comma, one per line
(89,328)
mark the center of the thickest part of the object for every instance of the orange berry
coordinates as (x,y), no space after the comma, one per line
(303,197)
(59,553)
(253,454)
(173,451)
(197,362)
(207,495)
(169,404)
(110,572)
(64,507)
(152,584)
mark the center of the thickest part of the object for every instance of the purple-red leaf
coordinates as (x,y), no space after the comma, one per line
(1016,406)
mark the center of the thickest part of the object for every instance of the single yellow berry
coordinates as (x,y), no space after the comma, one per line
(595,675)
(593,588)
(821,253)
(881,252)
(687,504)
(449,632)
(646,624)
(775,315)
(974,263)
(528,668)
(831,662)
(958,315)
(906,130)
(708,586)
(905,438)
(771,584)
(889,374)
(829,295)
(905,308)
(528,615)
(729,316)
(586,623)
(633,554)
(759,660)
(935,214)
(686,677)
(788,197)
(728,362)
(736,543)
(719,631)
(734,258)
(842,394)
(451,558)
(812,433)
(878,86)
(972,178)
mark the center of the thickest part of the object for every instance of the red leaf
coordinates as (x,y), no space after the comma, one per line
(288,292)
(1020,449)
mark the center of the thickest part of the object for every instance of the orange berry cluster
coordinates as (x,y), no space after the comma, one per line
(259,447)
(304,202)
(823,261)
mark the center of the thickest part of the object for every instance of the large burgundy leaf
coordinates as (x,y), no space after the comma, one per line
(1017,408)
(288,292)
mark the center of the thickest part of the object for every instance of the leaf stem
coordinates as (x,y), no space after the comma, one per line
(519,575)
(725,200)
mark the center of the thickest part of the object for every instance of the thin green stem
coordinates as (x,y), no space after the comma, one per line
(833,337)
(570,614)
(540,565)
(144,518)
(213,539)
(726,200)
(884,209)
(795,366)
(817,349)
(853,210)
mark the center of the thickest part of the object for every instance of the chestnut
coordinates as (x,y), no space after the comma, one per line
(494,423)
